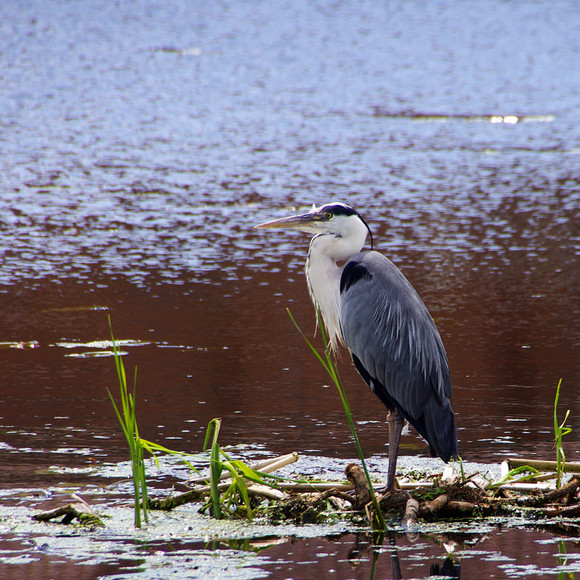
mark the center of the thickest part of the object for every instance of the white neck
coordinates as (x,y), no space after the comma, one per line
(323,276)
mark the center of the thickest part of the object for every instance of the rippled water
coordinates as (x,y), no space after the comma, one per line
(141,142)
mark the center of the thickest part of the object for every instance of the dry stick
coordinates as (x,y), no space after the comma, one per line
(81,511)
(333,493)
(266,466)
(551,496)
(320,486)
(523,487)
(357,477)
(314,486)
(543,465)
(409,485)
(432,508)
(192,495)
(69,511)
(411,513)
(570,511)
(266,491)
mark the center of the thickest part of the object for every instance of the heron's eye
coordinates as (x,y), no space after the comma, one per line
(329,215)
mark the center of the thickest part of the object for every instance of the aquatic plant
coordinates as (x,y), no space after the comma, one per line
(563,561)
(215,466)
(559,431)
(221,504)
(527,472)
(126,415)
(378,522)
(236,495)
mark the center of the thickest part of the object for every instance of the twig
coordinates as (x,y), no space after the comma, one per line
(265,466)
(410,485)
(314,486)
(432,508)
(333,493)
(525,487)
(411,513)
(81,511)
(266,491)
(270,465)
(541,465)
(562,511)
(566,490)
(361,488)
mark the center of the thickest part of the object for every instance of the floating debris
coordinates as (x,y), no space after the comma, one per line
(80,511)
(103,348)
(93,307)
(20,344)
(441,117)
(101,344)
(435,498)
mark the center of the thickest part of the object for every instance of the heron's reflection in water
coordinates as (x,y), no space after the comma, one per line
(373,547)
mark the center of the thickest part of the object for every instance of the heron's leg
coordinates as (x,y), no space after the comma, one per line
(395,421)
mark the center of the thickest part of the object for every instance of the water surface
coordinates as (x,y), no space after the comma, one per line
(141,143)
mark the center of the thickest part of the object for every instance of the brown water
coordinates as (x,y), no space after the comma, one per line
(139,145)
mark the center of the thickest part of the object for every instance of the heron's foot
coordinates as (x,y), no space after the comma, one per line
(388,489)
(384,492)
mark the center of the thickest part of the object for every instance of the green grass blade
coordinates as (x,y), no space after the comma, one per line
(247,472)
(327,363)
(215,467)
(125,413)
(513,473)
(560,430)
(311,346)
(241,487)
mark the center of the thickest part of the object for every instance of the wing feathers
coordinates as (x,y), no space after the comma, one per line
(394,340)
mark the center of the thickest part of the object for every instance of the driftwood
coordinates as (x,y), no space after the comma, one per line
(541,465)
(358,479)
(433,507)
(446,498)
(411,513)
(566,491)
(193,495)
(81,511)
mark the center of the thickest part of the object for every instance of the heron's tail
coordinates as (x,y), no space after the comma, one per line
(441,433)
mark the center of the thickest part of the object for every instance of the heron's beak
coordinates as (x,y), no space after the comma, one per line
(306,222)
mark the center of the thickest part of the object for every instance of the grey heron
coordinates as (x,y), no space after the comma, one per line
(368,305)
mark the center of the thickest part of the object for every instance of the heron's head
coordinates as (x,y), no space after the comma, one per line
(333,219)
